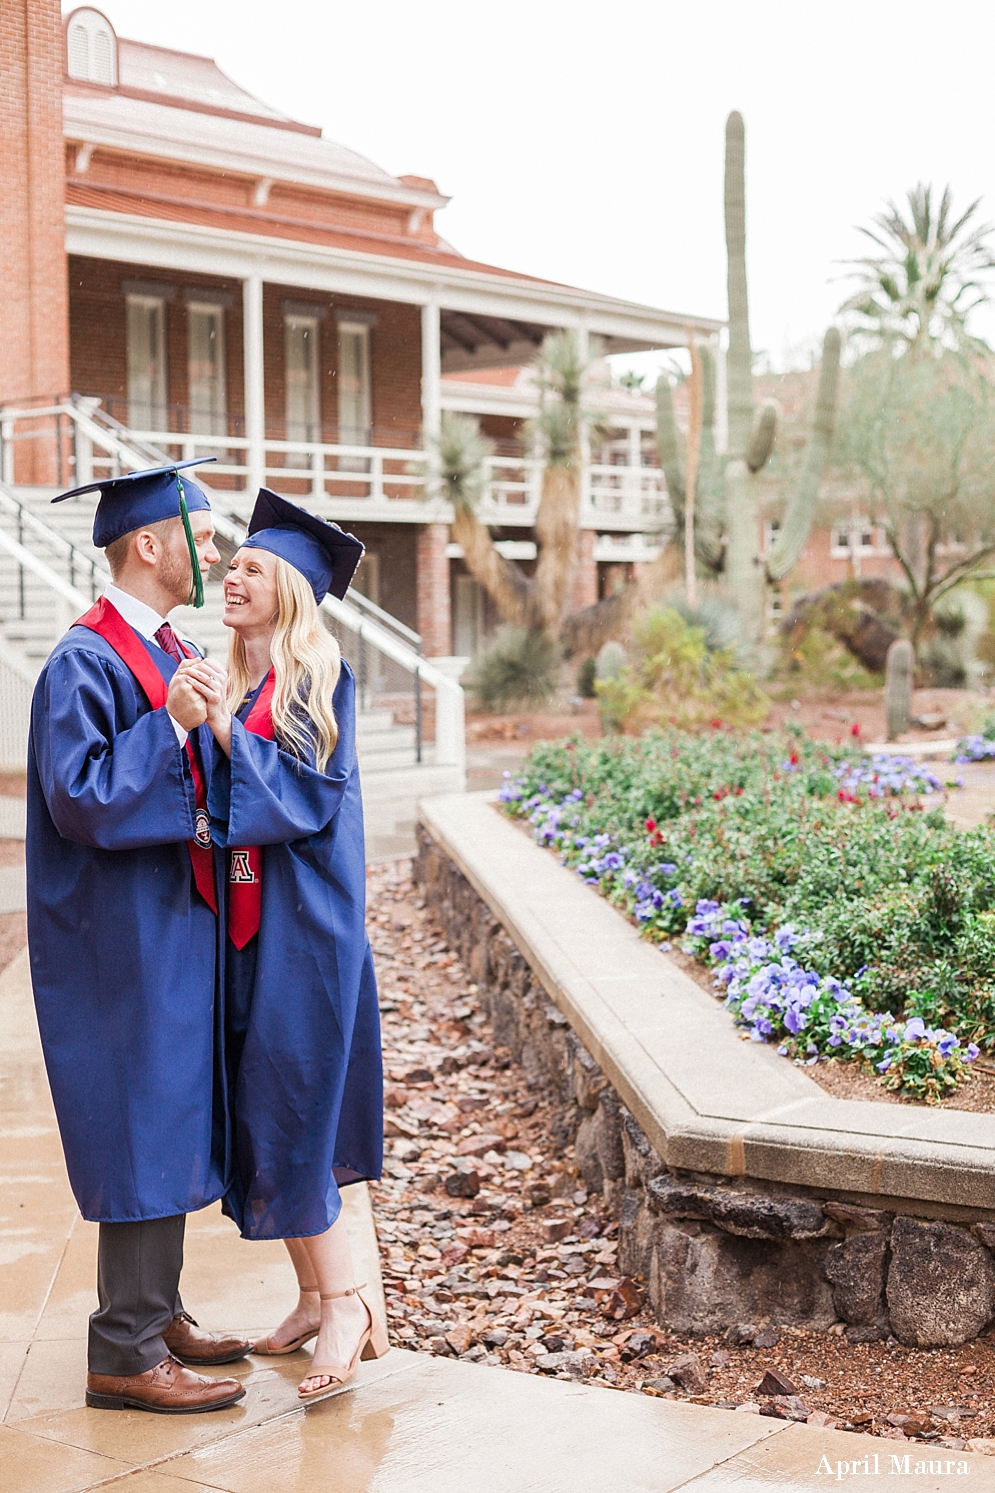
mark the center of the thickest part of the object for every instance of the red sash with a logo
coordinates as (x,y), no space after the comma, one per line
(245,871)
(105,619)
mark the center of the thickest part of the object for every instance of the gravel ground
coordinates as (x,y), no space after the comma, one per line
(493,1252)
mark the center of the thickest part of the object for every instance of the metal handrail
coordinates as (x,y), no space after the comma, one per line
(367,621)
(99,573)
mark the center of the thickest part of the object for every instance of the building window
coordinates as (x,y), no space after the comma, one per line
(353,381)
(91,48)
(206,390)
(303,406)
(146,362)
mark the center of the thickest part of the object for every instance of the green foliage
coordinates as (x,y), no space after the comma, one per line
(816,660)
(585,679)
(462,454)
(675,676)
(920,433)
(893,901)
(927,274)
(521,666)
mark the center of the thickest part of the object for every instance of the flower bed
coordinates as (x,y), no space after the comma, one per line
(843,917)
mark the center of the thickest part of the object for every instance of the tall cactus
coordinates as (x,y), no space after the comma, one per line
(751,440)
(898,687)
(791,541)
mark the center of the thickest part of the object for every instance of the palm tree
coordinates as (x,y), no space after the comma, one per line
(928,276)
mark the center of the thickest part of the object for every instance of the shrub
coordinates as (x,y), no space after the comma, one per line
(841,918)
(520,667)
(675,676)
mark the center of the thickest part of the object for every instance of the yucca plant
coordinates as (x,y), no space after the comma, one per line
(520,667)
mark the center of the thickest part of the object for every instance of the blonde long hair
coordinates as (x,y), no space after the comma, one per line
(307,664)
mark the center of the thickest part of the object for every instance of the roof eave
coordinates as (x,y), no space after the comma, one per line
(253,168)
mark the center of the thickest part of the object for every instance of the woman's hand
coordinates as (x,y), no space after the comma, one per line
(210,681)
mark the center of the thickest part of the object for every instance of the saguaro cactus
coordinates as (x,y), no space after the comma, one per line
(727,524)
(898,687)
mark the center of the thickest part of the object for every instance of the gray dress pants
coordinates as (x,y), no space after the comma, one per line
(138,1288)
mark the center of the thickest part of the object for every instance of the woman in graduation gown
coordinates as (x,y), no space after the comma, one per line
(302,1022)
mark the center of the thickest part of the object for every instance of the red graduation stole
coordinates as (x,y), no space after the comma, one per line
(245,872)
(105,619)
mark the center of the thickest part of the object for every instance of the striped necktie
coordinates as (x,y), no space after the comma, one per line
(169,642)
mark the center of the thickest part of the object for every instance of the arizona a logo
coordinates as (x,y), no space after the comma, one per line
(241,871)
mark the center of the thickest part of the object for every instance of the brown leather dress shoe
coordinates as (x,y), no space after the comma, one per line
(190,1344)
(168,1389)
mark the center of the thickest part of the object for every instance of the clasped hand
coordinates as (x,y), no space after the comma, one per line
(198,695)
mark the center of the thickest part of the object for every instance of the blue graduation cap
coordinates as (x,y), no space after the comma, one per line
(139,498)
(323,553)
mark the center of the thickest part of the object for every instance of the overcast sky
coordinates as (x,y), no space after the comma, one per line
(583,141)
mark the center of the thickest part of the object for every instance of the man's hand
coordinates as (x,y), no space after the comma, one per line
(209,681)
(185,703)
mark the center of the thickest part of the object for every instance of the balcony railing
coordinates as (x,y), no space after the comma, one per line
(341,479)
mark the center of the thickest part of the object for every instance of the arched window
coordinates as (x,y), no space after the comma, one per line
(91,48)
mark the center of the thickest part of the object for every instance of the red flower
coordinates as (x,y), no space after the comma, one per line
(717,723)
(855,729)
(651,824)
(793,759)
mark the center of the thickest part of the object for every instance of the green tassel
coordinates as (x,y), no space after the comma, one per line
(196,597)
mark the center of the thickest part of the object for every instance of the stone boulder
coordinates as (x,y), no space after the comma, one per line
(941,1284)
(856,1271)
(707,1281)
(752,1215)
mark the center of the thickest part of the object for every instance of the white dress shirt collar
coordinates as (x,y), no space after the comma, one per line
(139,616)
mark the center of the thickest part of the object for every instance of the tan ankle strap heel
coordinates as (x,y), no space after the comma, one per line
(372,1344)
(334,1295)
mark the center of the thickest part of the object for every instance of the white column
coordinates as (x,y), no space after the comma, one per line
(431,369)
(255,390)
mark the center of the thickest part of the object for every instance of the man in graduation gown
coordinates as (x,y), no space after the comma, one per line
(123,936)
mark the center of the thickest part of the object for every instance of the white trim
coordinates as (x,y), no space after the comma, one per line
(431,369)
(99,234)
(255,387)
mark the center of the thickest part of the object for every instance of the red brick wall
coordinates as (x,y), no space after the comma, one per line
(433,590)
(98,333)
(395,364)
(33,314)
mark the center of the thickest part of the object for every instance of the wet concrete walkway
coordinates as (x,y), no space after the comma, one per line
(408,1424)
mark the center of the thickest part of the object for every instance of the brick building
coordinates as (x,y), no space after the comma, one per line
(219,278)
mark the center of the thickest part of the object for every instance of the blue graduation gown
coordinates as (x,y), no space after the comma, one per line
(302,1019)
(124,952)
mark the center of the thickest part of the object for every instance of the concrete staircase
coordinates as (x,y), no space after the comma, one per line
(33,616)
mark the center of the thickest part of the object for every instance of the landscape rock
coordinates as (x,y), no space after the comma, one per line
(857,1219)
(751,1215)
(460,1339)
(688,1372)
(462,1184)
(586,1156)
(625,1301)
(716,1280)
(984,1231)
(774,1383)
(856,1269)
(767,1337)
(787,1408)
(739,1333)
(941,1284)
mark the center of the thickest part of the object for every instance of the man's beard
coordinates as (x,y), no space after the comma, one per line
(174,574)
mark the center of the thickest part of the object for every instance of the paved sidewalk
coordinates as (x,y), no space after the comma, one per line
(409,1424)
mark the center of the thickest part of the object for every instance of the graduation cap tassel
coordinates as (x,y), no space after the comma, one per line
(196,597)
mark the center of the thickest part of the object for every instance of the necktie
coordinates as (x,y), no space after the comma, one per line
(169,642)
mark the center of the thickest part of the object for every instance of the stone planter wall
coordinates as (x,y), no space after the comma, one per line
(717,1253)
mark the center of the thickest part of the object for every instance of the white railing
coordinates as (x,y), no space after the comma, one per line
(383,640)
(371,481)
